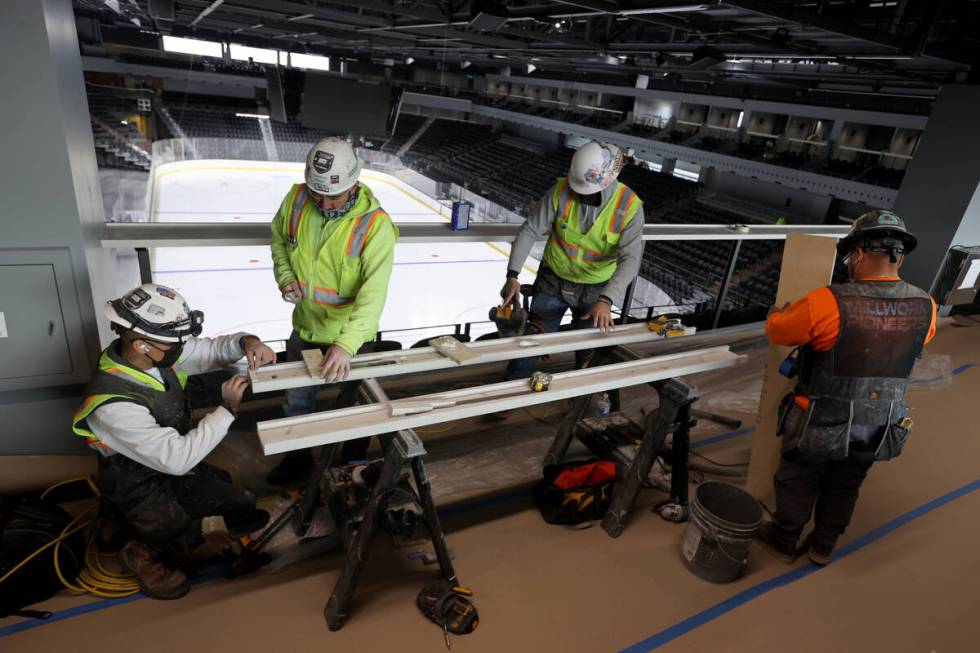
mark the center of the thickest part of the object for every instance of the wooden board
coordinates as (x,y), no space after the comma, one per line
(304,431)
(313,358)
(295,374)
(808,263)
(454,349)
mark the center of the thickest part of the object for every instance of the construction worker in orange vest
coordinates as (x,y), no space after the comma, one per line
(857,344)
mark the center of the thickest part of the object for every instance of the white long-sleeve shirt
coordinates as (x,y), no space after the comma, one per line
(130,430)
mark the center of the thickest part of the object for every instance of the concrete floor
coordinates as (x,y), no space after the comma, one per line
(907,579)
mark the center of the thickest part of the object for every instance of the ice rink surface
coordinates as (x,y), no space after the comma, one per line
(432,284)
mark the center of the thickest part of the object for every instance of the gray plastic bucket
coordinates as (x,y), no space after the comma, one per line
(724,520)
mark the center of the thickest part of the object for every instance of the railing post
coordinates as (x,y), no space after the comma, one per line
(143,259)
(627,303)
(726,282)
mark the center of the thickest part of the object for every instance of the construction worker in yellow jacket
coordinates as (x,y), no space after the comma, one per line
(332,251)
(594,227)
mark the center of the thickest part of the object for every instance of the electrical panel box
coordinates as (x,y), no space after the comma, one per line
(41,342)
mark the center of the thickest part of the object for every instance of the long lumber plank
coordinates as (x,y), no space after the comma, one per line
(808,263)
(290,433)
(427,359)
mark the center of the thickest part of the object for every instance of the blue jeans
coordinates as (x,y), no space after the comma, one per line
(302,401)
(299,401)
(548,310)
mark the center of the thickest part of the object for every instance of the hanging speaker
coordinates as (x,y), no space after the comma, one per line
(277,103)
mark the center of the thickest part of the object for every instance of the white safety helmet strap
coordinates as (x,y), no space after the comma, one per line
(332,167)
(157,312)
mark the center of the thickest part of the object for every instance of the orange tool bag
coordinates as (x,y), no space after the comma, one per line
(575,492)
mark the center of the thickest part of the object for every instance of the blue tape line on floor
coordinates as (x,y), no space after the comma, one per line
(956,372)
(95,606)
(443,514)
(721,438)
(692,623)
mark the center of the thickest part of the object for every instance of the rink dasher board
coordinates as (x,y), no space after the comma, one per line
(426,359)
(212,234)
(330,427)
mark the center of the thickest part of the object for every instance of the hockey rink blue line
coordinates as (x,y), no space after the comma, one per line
(694,622)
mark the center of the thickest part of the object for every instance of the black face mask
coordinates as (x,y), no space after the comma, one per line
(170,356)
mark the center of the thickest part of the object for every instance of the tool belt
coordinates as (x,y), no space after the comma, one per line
(575,492)
(446,605)
(810,436)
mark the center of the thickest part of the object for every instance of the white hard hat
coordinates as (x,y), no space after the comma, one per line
(155,311)
(594,166)
(332,167)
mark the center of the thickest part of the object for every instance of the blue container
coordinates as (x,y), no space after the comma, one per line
(461,216)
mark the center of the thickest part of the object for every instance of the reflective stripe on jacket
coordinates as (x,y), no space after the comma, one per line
(590,257)
(342,266)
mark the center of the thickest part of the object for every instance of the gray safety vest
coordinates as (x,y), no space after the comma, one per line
(862,379)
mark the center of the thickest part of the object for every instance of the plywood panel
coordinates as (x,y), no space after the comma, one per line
(808,263)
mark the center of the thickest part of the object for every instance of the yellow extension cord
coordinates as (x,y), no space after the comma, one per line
(93,578)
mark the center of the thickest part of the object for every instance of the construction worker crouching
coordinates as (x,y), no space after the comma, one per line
(858,342)
(594,226)
(333,252)
(136,416)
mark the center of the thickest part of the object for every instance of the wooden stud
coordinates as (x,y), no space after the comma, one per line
(808,263)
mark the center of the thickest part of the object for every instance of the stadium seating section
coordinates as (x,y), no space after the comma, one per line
(481,159)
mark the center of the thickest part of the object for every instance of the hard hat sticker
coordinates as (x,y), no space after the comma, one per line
(322,161)
(135,299)
(334,179)
(167,292)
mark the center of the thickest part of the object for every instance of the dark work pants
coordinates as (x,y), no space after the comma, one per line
(166,511)
(827,491)
(301,401)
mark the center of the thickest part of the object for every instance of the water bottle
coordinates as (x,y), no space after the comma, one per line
(602,405)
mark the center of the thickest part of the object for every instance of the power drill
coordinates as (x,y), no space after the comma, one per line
(511,320)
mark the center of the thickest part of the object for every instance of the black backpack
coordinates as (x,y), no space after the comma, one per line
(26,524)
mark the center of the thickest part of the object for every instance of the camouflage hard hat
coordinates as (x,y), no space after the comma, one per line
(878,231)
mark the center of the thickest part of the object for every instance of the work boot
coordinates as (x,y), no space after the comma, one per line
(294,469)
(157,580)
(248,523)
(818,552)
(776,545)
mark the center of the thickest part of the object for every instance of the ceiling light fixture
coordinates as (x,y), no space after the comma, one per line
(676,9)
